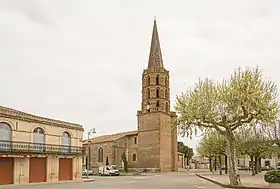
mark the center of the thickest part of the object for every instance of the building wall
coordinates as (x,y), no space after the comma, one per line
(121,146)
(149,141)
(22,131)
(180,160)
(108,150)
(21,169)
(132,148)
(165,143)
(174,142)
(114,151)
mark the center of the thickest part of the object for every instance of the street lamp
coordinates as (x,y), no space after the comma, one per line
(276,154)
(92,131)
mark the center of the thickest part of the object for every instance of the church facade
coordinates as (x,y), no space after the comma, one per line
(154,144)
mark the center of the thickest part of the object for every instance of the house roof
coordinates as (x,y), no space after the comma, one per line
(109,138)
(20,115)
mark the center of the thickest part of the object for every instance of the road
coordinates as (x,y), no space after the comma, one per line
(154,181)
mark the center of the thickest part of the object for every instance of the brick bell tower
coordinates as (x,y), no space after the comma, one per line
(157,138)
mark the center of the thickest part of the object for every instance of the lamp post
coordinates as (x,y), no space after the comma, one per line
(276,154)
(92,131)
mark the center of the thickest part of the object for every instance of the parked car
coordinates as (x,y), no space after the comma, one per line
(109,170)
(267,168)
(87,172)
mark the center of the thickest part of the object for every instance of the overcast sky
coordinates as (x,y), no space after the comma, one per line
(81,61)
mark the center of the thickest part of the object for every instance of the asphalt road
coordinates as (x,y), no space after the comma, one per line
(154,181)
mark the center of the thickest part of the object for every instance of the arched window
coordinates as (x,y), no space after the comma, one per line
(148,93)
(157,80)
(65,142)
(134,157)
(166,93)
(39,139)
(100,155)
(148,108)
(166,82)
(166,107)
(5,136)
(148,80)
(157,92)
(157,104)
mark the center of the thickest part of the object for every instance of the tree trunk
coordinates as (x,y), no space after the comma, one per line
(220,164)
(231,152)
(226,164)
(260,164)
(252,165)
(256,165)
(215,164)
(210,163)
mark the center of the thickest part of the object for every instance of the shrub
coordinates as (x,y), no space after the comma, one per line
(125,162)
(272,176)
(107,161)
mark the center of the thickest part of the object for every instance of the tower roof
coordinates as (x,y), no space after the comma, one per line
(155,58)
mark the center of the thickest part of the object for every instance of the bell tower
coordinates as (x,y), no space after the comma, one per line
(155,80)
(157,139)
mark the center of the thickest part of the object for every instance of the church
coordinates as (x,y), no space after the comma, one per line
(154,144)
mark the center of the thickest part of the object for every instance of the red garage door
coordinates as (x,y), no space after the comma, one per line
(6,170)
(65,169)
(37,170)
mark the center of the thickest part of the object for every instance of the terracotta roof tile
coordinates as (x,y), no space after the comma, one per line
(109,138)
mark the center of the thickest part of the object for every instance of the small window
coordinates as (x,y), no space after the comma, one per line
(166,93)
(166,82)
(157,92)
(157,104)
(148,80)
(157,80)
(148,93)
(135,140)
(267,163)
(100,155)
(134,157)
(166,107)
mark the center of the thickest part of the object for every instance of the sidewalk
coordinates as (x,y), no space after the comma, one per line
(247,180)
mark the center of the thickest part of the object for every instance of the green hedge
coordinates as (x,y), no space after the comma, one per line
(272,176)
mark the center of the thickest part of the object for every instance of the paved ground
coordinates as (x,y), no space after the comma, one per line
(154,181)
(245,176)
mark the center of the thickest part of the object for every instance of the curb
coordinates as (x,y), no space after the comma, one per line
(229,186)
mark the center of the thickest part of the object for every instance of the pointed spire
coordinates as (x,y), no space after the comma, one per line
(155,59)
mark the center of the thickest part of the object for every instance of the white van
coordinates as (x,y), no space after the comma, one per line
(109,170)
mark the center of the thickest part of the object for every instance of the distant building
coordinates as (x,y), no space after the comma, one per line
(38,149)
(199,162)
(154,144)
(244,163)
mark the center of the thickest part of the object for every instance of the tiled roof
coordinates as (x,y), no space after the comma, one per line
(109,138)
